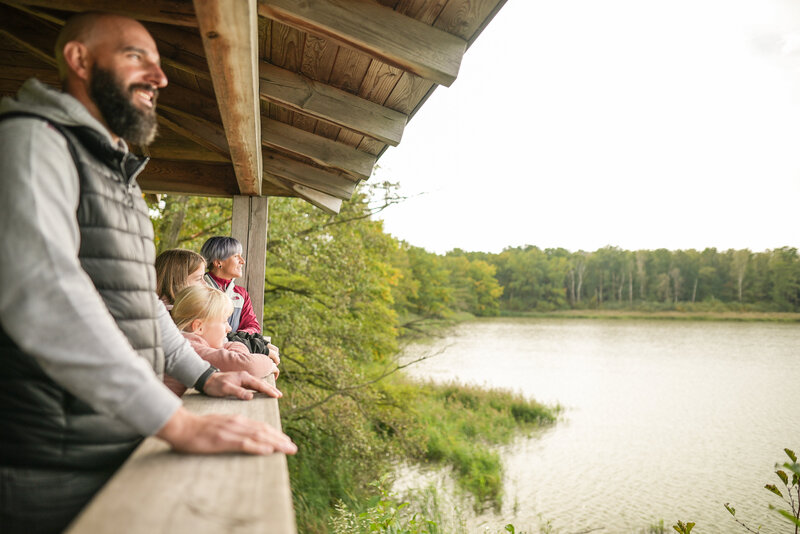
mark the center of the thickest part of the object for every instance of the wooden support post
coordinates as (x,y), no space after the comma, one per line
(249,226)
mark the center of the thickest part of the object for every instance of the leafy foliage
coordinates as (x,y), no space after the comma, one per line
(790,494)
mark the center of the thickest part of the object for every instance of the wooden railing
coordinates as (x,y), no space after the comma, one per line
(159,491)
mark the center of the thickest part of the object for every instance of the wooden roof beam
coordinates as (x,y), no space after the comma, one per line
(229,29)
(297,172)
(376,30)
(175,12)
(204,133)
(187,176)
(297,92)
(36,37)
(325,202)
(321,150)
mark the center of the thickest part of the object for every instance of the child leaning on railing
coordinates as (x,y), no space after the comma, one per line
(201,313)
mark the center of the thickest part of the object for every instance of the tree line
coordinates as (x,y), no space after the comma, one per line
(555,279)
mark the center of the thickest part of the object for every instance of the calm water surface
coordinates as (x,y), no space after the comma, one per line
(662,419)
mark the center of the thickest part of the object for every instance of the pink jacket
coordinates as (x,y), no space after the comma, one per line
(234,356)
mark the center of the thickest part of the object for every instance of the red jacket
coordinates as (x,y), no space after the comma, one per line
(248,321)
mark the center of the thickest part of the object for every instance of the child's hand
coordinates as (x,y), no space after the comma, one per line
(274,353)
(274,371)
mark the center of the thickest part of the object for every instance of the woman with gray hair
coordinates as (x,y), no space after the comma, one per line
(224,259)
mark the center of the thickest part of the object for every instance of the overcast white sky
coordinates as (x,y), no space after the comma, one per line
(634,123)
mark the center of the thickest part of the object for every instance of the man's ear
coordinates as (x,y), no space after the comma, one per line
(76,56)
(197,326)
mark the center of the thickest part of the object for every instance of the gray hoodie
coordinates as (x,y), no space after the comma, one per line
(45,290)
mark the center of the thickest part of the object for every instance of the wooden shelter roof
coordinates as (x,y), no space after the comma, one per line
(270,97)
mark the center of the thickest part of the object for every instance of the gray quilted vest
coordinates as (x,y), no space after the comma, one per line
(42,424)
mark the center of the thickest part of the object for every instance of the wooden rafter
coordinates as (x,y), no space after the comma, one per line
(180,48)
(297,172)
(229,29)
(181,176)
(323,201)
(34,36)
(176,12)
(377,30)
(327,103)
(322,151)
(202,132)
(176,147)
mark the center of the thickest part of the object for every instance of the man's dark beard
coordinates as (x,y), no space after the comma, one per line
(115,104)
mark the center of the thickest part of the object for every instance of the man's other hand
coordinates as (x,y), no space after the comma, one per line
(215,433)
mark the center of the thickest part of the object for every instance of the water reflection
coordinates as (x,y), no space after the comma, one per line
(663,419)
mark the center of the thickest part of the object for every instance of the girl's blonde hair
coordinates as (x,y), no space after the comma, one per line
(173,267)
(200,302)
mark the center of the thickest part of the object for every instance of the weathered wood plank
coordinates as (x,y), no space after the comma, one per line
(422,10)
(249,225)
(180,48)
(308,175)
(330,104)
(176,12)
(377,30)
(188,178)
(286,47)
(229,29)
(202,132)
(319,55)
(349,69)
(323,151)
(466,19)
(157,490)
(170,145)
(324,202)
(35,36)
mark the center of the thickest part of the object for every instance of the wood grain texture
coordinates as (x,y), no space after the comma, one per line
(181,48)
(249,226)
(349,69)
(35,36)
(170,145)
(287,47)
(188,178)
(157,490)
(326,203)
(393,38)
(204,133)
(229,30)
(328,103)
(175,12)
(276,164)
(322,151)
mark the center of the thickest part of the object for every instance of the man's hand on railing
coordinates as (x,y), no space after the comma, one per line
(214,433)
(238,384)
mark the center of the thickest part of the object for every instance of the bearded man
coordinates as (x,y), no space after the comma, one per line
(84,341)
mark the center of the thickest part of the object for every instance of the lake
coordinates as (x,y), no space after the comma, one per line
(662,419)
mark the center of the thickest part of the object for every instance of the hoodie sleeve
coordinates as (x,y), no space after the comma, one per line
(78,343)
(233,357)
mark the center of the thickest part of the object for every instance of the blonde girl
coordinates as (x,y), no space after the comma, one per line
(201,313)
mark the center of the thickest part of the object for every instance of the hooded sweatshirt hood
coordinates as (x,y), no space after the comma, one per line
(55,105)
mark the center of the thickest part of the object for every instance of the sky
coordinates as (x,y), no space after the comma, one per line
(641,124)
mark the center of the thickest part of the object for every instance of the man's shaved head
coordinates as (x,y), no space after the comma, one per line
(82,28)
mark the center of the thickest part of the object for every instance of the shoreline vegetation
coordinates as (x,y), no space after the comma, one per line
(673,315)
(342,295)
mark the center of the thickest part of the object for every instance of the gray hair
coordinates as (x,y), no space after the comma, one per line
(220,248)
